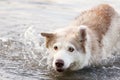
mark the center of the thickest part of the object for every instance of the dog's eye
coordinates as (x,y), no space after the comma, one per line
(70,49)
(55,48)
(81,40)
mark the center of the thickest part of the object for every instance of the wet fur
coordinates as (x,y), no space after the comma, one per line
(95,34)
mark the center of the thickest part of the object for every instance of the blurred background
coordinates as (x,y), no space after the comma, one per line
(22,50)
(43,14)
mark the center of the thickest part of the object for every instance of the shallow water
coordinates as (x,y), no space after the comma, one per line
(22,50)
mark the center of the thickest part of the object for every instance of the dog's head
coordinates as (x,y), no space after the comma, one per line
(69,48)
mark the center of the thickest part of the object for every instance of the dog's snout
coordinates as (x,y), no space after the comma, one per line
(59,63)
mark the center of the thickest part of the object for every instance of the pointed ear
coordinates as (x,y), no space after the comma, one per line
(82,33)
(50,38)
(47,35)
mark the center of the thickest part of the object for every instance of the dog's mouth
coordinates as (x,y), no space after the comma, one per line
(59,69)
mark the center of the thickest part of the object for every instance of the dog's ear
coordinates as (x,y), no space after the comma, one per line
(47,35)
(49,38)
(82,33)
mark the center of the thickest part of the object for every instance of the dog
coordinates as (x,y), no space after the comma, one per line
(93,35)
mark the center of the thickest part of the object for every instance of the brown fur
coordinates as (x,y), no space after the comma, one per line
(50,38)
(97,19)
(80,45)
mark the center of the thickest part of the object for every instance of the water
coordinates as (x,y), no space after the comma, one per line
(22,49)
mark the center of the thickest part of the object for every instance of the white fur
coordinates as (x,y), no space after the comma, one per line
(112,38)
(73,60)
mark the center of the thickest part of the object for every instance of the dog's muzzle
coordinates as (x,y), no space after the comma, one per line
(59,65)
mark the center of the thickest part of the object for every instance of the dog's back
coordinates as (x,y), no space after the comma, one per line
(97,19)
(104,22)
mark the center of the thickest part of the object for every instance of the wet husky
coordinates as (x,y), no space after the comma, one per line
(93,35)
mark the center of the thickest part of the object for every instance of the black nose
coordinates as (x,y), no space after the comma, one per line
(59,63)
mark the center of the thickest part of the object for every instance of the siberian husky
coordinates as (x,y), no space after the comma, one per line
(93,35)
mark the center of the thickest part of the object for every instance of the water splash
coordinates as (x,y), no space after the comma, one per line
(25,54)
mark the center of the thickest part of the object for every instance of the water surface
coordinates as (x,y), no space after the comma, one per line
(22,49)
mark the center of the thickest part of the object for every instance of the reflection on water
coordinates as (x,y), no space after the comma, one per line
(22,50)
